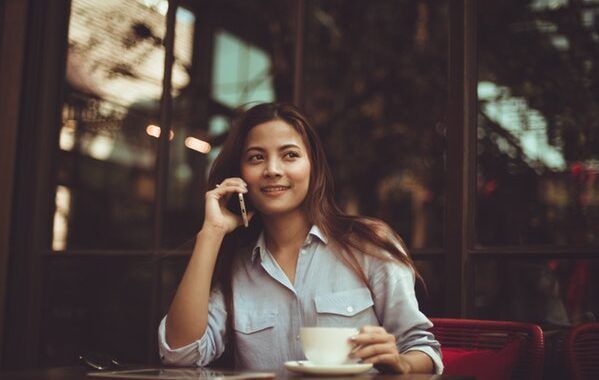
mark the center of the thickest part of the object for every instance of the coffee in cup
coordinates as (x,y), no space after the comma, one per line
(327,345)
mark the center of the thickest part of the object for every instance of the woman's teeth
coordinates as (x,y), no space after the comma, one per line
(273,189)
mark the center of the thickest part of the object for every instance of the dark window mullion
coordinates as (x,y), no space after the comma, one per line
(300,20)
(46,37)
(162,165)
(583,253)
(461,155)
(470,110)
(166,110)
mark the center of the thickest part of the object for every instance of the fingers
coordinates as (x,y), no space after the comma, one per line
(381,359)
(374,345)
(384,356)
(368,353)
(232,181)
(371,335)
(372,329)
(227,187)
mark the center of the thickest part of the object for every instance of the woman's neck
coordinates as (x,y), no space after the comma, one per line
(286,233)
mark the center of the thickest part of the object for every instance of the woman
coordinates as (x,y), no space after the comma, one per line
(301,262)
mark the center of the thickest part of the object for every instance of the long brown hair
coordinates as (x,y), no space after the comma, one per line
(356,235)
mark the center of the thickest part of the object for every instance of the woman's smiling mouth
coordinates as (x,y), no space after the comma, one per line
(273,190)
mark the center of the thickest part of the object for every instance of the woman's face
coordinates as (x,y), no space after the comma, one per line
(276,167)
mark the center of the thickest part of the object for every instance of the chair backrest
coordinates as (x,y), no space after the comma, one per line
(581,349)
(472,334)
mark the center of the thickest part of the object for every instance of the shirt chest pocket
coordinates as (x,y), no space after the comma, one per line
(252,321)
(351,308)
(254,330)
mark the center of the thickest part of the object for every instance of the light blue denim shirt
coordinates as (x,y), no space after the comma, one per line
(270,310)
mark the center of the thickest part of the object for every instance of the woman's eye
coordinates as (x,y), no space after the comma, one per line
(255,157)
(291,154)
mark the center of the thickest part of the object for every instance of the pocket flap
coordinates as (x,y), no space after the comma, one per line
(347,303)
(249,322)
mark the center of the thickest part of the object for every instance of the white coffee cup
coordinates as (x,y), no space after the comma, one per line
(327,345)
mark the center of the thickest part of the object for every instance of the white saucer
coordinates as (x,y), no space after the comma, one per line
(304,366)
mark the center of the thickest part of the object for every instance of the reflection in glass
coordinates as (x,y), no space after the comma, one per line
(241,72)
(61,217)
(376,89)
(538,135)
(551,293)
(172,270)
(106,158)
(248,50)
(116,53)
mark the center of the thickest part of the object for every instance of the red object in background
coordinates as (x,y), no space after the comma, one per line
(484,336)
(576,283)
(553,265)
(577,286)
(576,169)
(482,364)
(581,349)
(489,186)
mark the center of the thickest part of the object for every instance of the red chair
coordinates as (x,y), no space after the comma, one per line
(581,349)
(487,344)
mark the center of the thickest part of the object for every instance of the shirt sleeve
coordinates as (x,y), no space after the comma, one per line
(397,309)
(203,351)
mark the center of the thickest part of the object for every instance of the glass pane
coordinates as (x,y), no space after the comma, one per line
(431,292)
(244,54)
(107,148)
(98,304)
(375,82)
(173,268)
(551,293)
(538,134)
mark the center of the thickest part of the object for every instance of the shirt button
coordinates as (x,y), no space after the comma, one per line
(303,252)
(297,337)
(350,309)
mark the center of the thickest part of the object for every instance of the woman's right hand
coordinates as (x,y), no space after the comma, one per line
(217,215)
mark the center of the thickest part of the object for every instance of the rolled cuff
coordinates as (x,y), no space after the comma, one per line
(188,355)
(433,354)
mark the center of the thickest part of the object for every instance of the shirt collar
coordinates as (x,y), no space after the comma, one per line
(260,247)
(315,231)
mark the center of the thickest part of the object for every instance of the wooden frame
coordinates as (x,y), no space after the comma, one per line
(13,15)
(461,154)
(40,102)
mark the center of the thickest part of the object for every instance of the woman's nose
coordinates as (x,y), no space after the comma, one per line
(272,169)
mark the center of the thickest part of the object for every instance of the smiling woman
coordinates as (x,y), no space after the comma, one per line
(301,262)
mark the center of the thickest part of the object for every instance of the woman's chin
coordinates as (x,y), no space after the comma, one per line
(277,211)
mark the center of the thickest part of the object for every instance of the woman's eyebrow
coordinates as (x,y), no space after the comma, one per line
(254,148)
(287,146)
(283,147)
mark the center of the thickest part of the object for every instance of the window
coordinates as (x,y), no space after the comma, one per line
(376,87)
(538,141)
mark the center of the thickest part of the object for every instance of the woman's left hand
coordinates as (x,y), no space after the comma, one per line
(375,345)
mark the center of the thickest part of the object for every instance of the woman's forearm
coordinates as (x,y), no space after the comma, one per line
(418,362)
(188,314)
